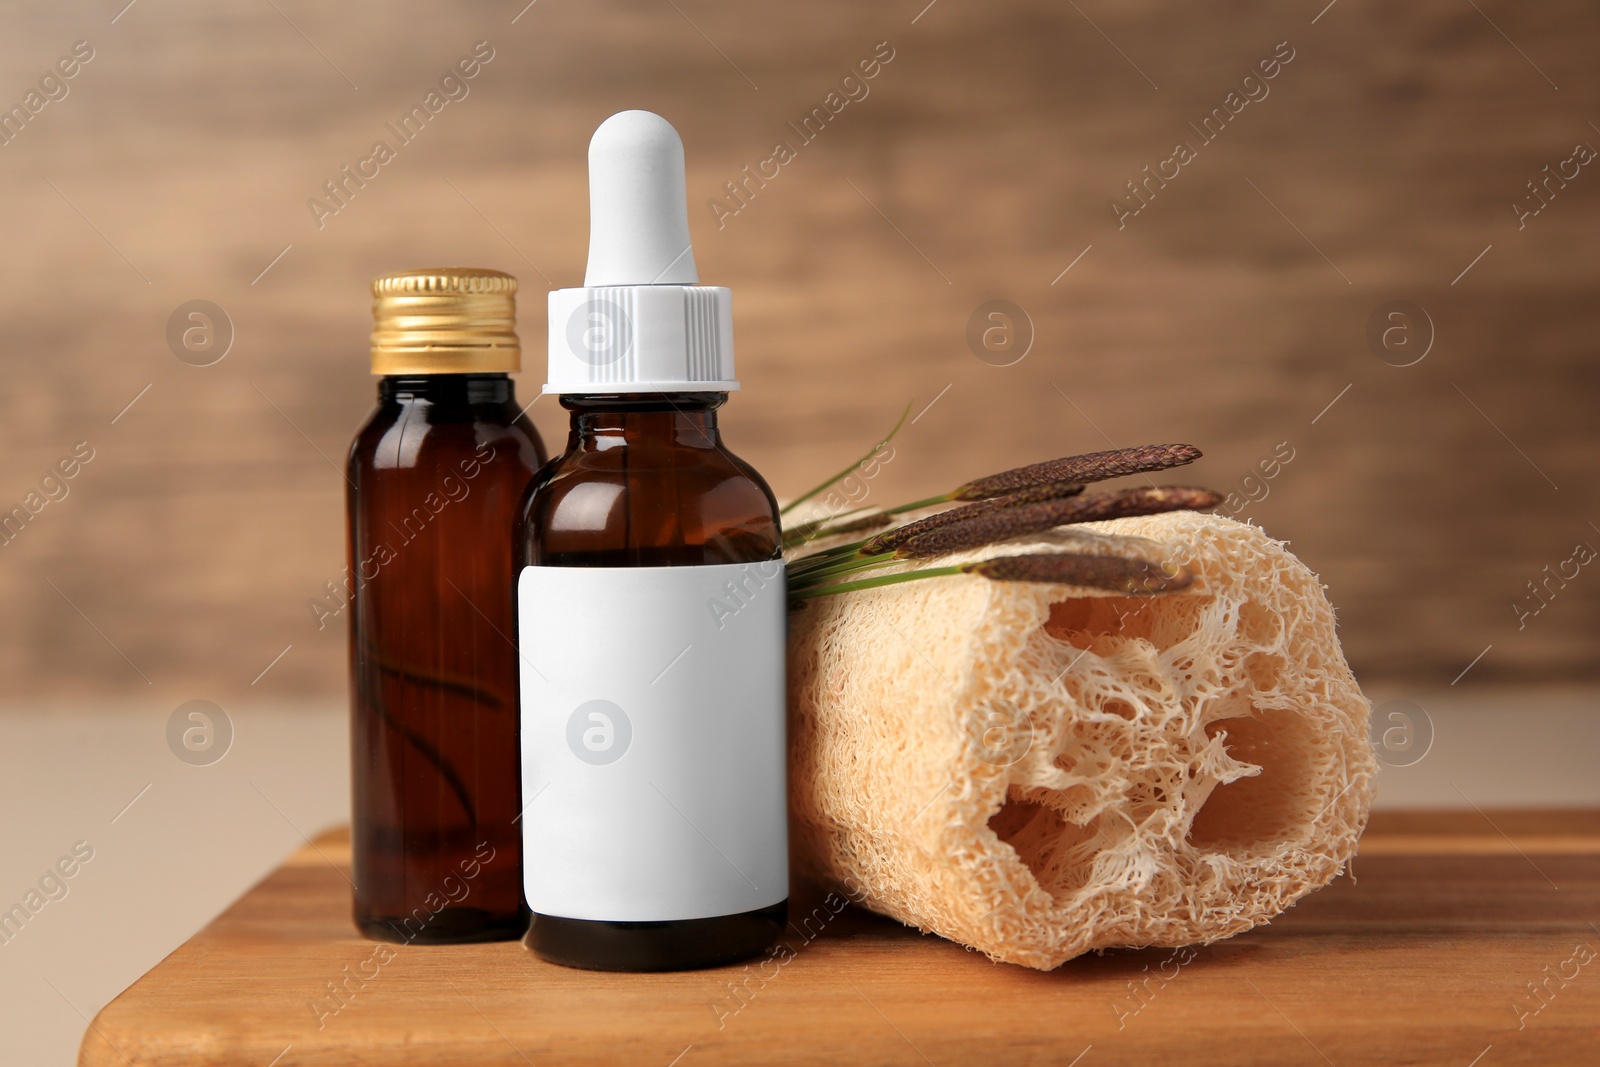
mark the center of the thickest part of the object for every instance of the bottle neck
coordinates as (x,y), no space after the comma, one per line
(446,390)
(683,420)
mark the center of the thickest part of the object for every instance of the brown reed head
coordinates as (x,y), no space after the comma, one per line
(923,538)
(1112,573)
(1032,495)
(1092,467)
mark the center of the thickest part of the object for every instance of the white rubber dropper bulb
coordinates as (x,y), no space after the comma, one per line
(638,204)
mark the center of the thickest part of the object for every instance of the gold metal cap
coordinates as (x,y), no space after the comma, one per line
(445,320)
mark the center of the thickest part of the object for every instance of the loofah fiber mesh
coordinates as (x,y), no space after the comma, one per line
(1037,771)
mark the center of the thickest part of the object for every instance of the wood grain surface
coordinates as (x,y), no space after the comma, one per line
(1424,956)
(1381,163)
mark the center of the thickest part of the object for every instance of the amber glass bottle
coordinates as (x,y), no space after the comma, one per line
(646,482)
(651,607)
(434,479)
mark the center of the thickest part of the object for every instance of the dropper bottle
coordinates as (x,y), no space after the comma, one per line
(651,608)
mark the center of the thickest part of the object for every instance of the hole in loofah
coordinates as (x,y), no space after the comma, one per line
(1120,707)
(1259,624)
(1264,669)
(1058,853)
(1267,810)
(1076,802)
(1088,622)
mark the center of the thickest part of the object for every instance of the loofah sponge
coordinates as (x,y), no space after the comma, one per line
(1037,771)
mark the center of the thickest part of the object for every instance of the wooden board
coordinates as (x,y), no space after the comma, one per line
(1423,958)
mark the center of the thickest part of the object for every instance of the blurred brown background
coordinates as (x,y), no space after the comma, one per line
(1231,311)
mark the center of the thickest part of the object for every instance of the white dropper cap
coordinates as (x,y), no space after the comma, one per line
(638,208)
(639,323)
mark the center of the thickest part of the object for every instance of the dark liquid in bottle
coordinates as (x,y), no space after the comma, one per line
(436,477)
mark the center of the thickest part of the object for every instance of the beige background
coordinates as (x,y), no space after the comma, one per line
(1231,312)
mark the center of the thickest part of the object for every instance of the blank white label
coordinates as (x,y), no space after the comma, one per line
(653,740)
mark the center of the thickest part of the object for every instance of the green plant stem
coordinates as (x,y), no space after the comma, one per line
(825,558)
(875,582)
(803,497)
(811,531)
(829,553)
(846,566)
(828,527)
